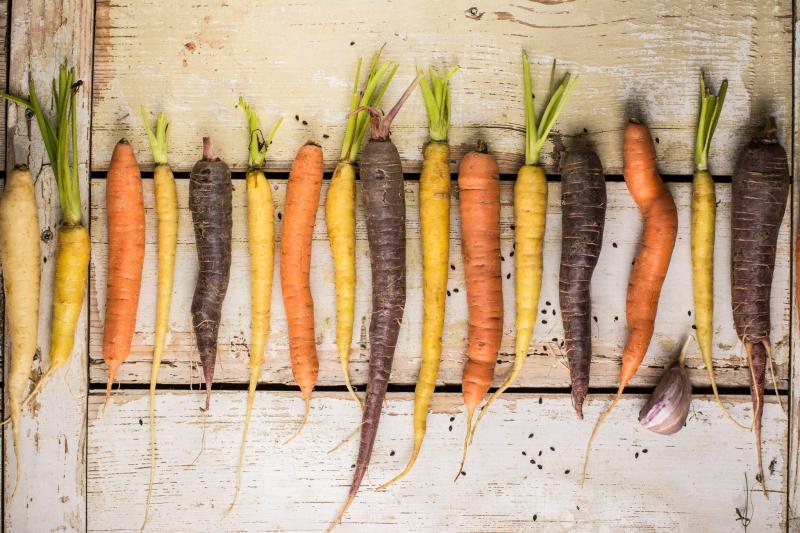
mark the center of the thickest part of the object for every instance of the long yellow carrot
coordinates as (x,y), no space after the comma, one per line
(21,260)
(434,213)
(340,205)
(72,254)
(261,243)
(530,214)
(167,214)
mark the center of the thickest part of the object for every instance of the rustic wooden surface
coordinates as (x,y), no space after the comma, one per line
(644,479)
(52,492)
(194,59)
(546,367)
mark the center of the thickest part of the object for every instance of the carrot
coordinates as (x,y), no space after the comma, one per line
(704,208)
(261,242)
(340,205)
(530,215)
(384,206)
(300,213)
(167,213)
(72,255)
(760,189)
(479,195)
(210,192)
(583,211)
(21,260)
(650,267)
(125,208)
(434,212)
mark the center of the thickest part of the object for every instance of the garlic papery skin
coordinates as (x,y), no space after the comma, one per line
(666,410)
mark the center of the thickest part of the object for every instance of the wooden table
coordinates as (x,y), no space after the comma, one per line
(85,468)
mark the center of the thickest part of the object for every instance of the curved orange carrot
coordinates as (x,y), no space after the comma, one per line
(125,208)
(479,196)
(660,218)
(300,212)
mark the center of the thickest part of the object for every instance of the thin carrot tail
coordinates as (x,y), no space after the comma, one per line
(409,465)
(349,385)
(347,503)
(251,394)
(768,348)
(152,454)
(715,391)
(15,436)
(37,389)
(470,414)
(302,424)
(112,374)
(346,439)
(599,423)
(757,413)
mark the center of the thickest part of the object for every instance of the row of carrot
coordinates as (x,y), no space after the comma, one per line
(760,190)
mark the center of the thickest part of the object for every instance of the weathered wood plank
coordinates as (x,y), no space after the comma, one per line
(193,60)
(638,481)
(546,366)
(52,492)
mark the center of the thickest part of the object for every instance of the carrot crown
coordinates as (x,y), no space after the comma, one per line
(258,144)
(537,129)
(707,118)
(60,138)
(436,94)
(380,124)
(158,140)
(378,80)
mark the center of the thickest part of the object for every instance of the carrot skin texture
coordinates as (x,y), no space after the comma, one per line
(300,211)
(660,218)
(261,245)
(760,190)
(21,259)
(210,202)
(125,208)
(583,211)
(340,217)
(384,207)
(479,197)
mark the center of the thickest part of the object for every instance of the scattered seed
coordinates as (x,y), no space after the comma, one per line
(539,467)
(614,244)
(140,422)
(326,136)
(280,216)
(297,118)
(636,455)
(455,290)
(508,276)
(644,451)
(552,449)
(540,400)
(448,293)
(451,428)
(540,453)
(452,267)
(566,472)
(352,43)
(524,452)
(534,518)
(530,436)
(452,419)
(544,321)
(391,453)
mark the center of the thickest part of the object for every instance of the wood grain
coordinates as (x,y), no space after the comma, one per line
(52,492)
(638,481)
(546,367)
(194,59)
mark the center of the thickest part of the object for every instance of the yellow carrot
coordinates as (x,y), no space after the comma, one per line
(340,211)
(167,214)
(434,198)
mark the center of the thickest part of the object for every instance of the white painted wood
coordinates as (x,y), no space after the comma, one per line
(546,366)
(638,481)
(194,59)
(52,493)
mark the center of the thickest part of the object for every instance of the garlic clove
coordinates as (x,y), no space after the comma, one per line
(666,410)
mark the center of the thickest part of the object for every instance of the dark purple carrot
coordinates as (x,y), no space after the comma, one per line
(210,193)
(383,193)
(583,212)
(760,189)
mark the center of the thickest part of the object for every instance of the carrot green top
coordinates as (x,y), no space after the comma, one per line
(436,93)
(537,130)
(707,118)
(378,80)
(258,144)
(158,140)
(57,141)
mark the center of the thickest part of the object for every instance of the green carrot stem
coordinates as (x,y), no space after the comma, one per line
(158,139)
(707,118)
(436,95)
(258,144)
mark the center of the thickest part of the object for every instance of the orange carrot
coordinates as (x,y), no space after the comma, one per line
(125,208)
(652,260)
(479,195)
(300,212)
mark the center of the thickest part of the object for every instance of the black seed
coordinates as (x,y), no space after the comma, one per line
(455,290)
(533,462)
(540,453)
(140,422)
(463,473)
(539,467)
(534,518)
(448,293)
(511,254)
(391,453)
(540,400)
(297,117)
(566,472)
(555,339)
(508,276)
(595,319)
(658,140)
(616,318)
(326,136)
(644,451)
(452,267)
(452,419)
(513,227)
(552,449)
(694,326)
(352,43)
(547,302)
(530,436)
(524,453)
(544,311)
(305,123)
(636,455)
(352,465)
(502,258)
(689,312)
(280,216)
(544,321)
(614,244)
(451,428)
(554,312)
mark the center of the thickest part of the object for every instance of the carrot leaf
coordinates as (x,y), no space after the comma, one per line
(707,118)
(379,76)
(258,143)
(436,94)
(57,141)
(158,140)
(538,129)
